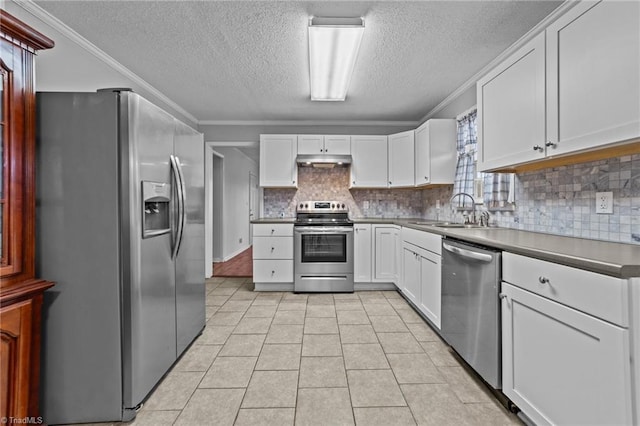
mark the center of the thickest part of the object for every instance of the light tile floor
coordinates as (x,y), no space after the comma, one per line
(319,359)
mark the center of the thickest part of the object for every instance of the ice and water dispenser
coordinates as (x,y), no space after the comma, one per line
(156,197)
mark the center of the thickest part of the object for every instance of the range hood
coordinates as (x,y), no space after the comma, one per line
(323,160)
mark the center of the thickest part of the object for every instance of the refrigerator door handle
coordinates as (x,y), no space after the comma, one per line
(179,181)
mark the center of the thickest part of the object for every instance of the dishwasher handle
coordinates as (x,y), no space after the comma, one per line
(468,254)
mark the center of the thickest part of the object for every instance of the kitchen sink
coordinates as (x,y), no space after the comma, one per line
(447,224)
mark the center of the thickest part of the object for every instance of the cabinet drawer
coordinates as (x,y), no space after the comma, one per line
(426,240)
(599,295)
(273,248)
(273,229)
(273,271)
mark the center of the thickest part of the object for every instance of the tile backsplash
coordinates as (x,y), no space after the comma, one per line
(559,200)
(333,184)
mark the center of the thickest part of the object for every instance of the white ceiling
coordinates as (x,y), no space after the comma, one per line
(247,61)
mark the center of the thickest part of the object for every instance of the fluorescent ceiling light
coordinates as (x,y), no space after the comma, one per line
(333,49)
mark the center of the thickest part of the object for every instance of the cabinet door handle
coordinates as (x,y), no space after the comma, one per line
(426,178)
(354,182)
(538,148)
(503,296)
(389,182)
(551,144)
(273,248)
(543,280)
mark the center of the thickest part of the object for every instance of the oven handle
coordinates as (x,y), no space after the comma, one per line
(324,229)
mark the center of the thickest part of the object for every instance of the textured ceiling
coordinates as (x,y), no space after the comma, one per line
(240,60)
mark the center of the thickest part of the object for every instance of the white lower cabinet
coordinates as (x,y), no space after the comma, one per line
(273,257)
(431,286)
(561,365)
(421,272)
(362,249)
(411,273)
(387,253)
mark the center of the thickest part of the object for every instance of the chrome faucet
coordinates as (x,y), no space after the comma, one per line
(473,204)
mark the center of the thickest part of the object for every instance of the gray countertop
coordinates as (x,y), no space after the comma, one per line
(615,259)
(275,220)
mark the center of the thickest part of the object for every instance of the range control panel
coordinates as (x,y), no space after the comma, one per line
(322,206)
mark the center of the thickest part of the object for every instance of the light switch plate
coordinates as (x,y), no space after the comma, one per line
(604,202)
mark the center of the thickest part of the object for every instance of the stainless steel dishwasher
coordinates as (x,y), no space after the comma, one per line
(470,306)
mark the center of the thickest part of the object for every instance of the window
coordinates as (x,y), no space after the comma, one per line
(495,190)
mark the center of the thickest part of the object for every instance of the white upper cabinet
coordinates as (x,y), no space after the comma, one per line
(324,144)
(369,163)
(337,144)
(435,153)
(310,144)
(511,111)
(401,159)
(593,76)
(278,161)
(571,89)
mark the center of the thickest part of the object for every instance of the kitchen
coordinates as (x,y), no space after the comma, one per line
(554,195)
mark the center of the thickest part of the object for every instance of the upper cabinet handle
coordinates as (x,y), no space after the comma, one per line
(538,148)
(551,144)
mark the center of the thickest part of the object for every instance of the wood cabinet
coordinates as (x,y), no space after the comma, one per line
(324,144)
(401,147)
(273,256)
(20,290)
(571,92)
(565,343)
(278,161)
(511,109)
(369,163)
(387,253)
(362,250)
(435,152)
(593,64)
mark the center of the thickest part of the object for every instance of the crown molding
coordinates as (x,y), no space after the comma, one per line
(68,32)
(306,123)
(537,29)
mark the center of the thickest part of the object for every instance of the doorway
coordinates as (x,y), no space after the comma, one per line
(253,203)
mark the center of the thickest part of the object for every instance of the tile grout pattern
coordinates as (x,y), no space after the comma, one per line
(365,358)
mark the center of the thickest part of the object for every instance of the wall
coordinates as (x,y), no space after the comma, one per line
(333,184)
(561,201)
(237,167)
(247,133)
(71,67)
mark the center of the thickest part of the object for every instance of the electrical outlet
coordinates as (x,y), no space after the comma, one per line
(604,202)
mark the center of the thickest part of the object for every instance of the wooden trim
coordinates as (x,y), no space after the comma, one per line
(17,29)
(619,150)
(25,290)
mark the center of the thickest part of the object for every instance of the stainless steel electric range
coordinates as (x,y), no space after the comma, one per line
(323,247)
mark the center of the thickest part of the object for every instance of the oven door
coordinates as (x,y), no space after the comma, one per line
(323,250)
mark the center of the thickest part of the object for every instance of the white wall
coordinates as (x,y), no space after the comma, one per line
(75,65)
(237,168)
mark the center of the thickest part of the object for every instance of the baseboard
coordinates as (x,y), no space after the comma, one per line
(374,286)
(273,286)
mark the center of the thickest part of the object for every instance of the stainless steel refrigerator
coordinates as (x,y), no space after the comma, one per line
(120,219)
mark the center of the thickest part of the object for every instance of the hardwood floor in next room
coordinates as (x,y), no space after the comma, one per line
(240,265)
(279,358)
